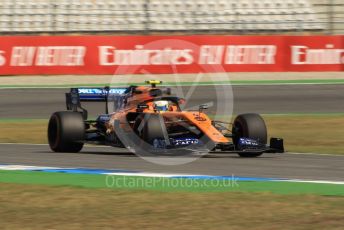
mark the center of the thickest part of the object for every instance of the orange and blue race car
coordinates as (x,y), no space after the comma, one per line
(149,120)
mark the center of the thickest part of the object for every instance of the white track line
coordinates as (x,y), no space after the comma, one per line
(316,154)
(97,146)
(10,143)
(215,84)
(25,167)
(314,181)
(87,145)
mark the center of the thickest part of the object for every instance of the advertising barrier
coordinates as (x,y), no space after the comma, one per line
(100,55)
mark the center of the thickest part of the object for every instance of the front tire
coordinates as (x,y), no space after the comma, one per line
(249,125)
(152,131)
(66,131)
(154,128)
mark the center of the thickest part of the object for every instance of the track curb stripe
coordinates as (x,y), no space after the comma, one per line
(121,172)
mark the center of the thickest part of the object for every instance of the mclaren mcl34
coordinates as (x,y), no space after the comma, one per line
(149,119)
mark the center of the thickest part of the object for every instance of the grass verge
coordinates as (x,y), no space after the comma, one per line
(320,133)
(63,207)
(167,184)
(23,131)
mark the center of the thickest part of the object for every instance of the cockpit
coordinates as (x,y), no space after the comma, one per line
(164,104)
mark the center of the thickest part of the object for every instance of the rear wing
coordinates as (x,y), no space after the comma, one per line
(99,94)
(106,94)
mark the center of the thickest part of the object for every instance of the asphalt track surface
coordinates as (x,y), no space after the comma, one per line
(292,166)
(41,103)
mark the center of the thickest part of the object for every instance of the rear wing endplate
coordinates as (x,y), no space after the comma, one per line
(77,95)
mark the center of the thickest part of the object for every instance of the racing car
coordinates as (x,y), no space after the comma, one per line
(148,118)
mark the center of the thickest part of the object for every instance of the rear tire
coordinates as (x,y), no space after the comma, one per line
(249,125)
(66,131)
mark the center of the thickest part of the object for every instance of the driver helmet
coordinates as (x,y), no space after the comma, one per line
(161,105)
